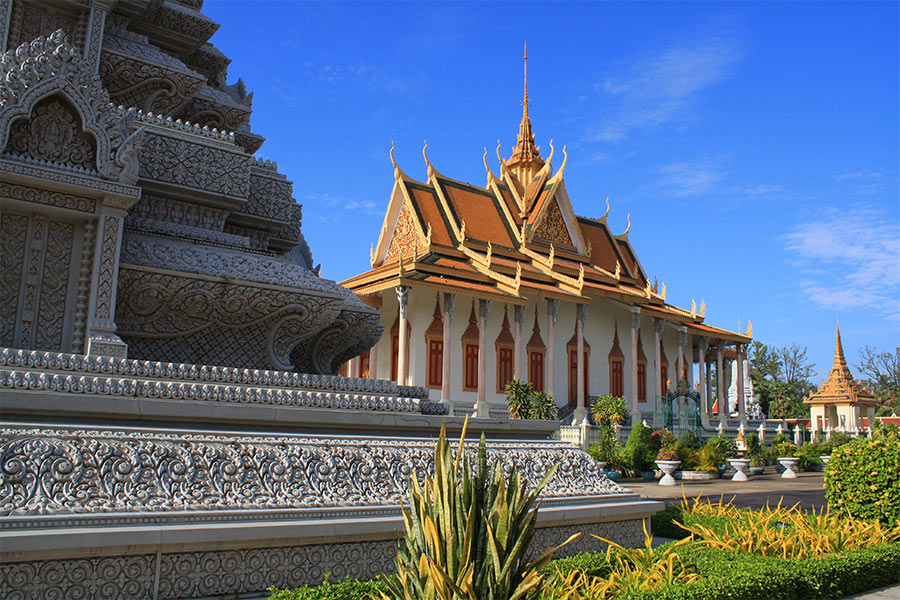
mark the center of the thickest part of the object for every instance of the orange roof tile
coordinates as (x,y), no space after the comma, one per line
(428,208)
(479,209)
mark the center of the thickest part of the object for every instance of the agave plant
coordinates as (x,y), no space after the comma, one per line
(518,399)
(543,406)
(467,533)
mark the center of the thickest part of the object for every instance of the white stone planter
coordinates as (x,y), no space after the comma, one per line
(825,459)
(790,464)
(667,467)
(739,465)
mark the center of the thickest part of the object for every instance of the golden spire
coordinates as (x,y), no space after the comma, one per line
(526,160)
(839,361)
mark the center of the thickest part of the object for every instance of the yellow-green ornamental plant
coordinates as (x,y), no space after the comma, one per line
(467,533)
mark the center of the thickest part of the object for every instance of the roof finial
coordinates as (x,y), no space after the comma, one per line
(525,99)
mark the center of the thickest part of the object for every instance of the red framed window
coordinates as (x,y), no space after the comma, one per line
(504,367)
(616,381)
(536,370)
(642,382)
(470,367)
(435,363)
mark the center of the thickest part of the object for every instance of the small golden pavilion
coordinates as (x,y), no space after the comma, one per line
(841,403)
(482,285)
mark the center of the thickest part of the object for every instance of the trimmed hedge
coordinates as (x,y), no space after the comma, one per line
(724,576)
(735,576)
(662,524)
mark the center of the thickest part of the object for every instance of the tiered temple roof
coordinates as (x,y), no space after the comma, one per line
(512,240)
(840,387)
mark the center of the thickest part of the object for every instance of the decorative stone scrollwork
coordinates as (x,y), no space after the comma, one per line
(50,65)
(63,471)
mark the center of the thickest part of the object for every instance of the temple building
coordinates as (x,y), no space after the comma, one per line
(481,285)
(841,403)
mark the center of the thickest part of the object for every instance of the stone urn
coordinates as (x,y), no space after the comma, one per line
(739,465)
(825,459)
(790,465)
(667,467)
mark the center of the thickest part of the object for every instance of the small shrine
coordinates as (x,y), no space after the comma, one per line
(841,403)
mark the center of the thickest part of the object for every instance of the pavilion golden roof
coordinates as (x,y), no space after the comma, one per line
(840,387)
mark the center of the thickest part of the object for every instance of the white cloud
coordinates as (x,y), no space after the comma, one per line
(852,259)
(662,85)
(691,178)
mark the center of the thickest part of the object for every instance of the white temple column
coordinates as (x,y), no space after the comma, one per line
(518,324)
(580,412)
(403,298)
(481,407)
(704,398)
(353,367)
(720,384)
(742,409)
(708,384)
(449,303)
(658,325)
(552,313)
(679,362)
(633,400)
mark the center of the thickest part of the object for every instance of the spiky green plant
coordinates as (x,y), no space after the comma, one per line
(467,533)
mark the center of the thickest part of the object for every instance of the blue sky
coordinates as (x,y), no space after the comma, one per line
(754,145)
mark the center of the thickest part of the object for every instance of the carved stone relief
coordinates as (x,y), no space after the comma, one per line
(53,133)
(14,229)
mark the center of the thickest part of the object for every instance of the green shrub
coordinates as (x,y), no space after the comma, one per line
(348,589)
(662,524)
(638,454)
(863,479)
(809,456)
(778,439)
(663,438)
(784,449)
(689,457)
(689,440)
(720,449)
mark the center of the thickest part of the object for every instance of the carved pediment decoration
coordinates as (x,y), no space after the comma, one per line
(53,133)
(406,238)
(50,66)
(552,227)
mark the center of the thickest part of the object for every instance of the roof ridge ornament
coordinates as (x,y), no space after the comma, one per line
(618,273)
(702,308)
(663,294)
(624,234)
(490,174)
(693,308)
(431,170)
(607,210)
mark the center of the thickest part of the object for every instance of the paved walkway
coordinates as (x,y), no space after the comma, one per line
(807,489)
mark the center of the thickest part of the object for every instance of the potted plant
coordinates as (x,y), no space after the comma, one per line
(667,461)
(786,453)
(757,464)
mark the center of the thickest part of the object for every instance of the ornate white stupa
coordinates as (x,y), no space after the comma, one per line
(750,400)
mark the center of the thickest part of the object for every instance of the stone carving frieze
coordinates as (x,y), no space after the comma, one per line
(56,471)
(50,65)
(134,82)
(270,195)
(47,197)
(80,365)
(195,165)
(177,212)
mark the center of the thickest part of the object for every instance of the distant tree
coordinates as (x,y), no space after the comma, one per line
(880,373)
(780,377)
